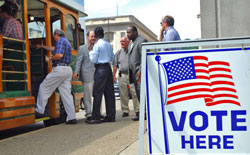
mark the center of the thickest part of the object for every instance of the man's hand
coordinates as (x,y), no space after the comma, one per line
(161,32)
(138,77)
(39,46)
(48,48)
(75,76)
(114,79)
(47,59)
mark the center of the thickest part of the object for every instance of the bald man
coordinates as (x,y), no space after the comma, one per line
(121,63)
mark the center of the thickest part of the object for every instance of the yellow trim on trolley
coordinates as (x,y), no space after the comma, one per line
(42,119)
(24,41)
(14,50)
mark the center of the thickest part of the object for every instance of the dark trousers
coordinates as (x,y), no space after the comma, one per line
(103,84)
(132,79)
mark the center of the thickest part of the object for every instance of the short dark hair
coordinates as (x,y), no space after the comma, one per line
(88,33)
(10,8)
(99,32)
(133,28)
(169,20)
(59,32)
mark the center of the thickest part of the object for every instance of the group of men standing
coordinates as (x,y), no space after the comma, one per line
(93,67)
(101,56)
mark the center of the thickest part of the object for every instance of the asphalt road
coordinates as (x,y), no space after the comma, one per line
(102,139)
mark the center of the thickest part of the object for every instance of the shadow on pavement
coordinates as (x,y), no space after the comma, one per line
(71,139)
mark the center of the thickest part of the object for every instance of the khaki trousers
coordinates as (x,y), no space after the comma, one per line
(60,77)
(124,94)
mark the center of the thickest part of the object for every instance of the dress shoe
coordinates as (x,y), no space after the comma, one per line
(125,114)
(135,119)
(137,114)
(106,119)
(102,117)
(73,121)
(88,119)
(39,115)
(92,121)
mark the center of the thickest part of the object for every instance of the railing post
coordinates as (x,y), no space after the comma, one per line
(1,62)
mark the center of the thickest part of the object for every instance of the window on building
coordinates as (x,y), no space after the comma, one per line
(109,36)
(122,34)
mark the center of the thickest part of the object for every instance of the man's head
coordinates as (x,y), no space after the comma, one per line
(132,33)
(124,42)
(58,34)
(8,9)
(91,37)
(99,32)
(167,21)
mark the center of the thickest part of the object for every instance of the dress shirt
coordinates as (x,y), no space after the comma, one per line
(170,34)
(12,28)
(121,60)
(63,46)
(102,52)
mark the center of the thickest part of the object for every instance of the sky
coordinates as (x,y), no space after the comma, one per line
(150,13)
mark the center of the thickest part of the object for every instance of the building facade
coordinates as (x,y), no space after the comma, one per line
(116,27)
(224,18)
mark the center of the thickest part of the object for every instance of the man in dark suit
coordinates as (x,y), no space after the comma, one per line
(134,57)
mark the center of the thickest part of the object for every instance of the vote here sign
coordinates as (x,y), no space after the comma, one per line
(198,101)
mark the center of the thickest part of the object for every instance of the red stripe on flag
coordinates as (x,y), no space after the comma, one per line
(222,82)
(188,85)
(221,76)
(202,77)
(200,58)
(223,102)
(190,91)
(188,98)
(219,69)
(201,71)
(218,63)
(224,89)
(201,65)
(225,95)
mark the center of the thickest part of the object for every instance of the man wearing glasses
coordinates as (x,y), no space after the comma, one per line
(168,32)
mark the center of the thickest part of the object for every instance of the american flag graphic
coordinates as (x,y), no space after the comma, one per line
(195,77)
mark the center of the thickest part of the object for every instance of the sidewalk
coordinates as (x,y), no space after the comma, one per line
(116,138)
(124,141)
(133,149)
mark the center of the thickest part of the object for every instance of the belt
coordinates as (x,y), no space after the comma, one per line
(60,64)
(103,64)
(126,73)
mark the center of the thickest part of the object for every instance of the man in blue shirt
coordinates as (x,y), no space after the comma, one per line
(60,77)
(168,32)
(102,55)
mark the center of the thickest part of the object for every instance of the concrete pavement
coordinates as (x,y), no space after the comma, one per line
(118,138)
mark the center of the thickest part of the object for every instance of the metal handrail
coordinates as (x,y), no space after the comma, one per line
(18,40)
(17,72)
(14,60)
(14,80)
(14,50)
